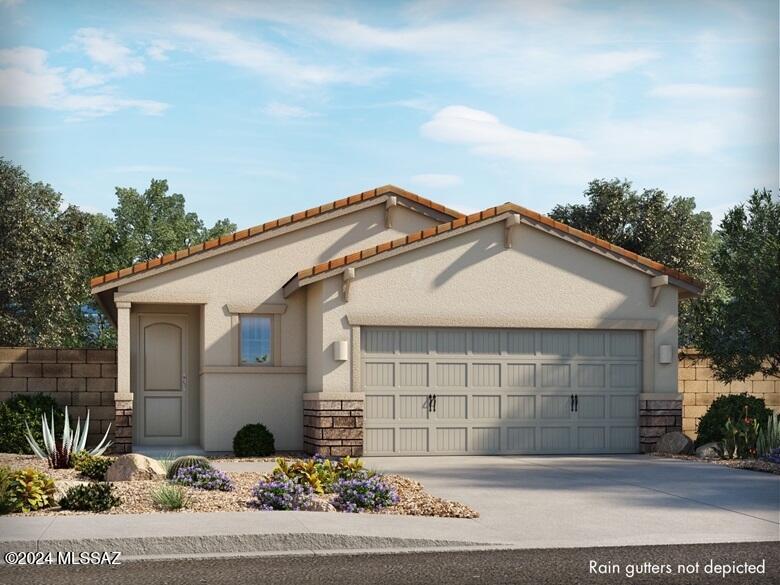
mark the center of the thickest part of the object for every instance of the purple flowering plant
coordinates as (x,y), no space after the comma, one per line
(203,479)
(281,493)
(363,492)
(773,456)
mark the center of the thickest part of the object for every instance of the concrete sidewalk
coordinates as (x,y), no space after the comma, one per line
(151,535)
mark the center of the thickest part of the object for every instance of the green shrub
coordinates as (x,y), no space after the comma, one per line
(712,425)
(170,497)
(768,435)
(30,490)
(91,497)
(21,409)
(253,440)
(92,466)
(740,438)
(6,505)
(187,461)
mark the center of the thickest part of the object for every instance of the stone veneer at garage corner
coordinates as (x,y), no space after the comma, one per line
(656,418)
(333,427)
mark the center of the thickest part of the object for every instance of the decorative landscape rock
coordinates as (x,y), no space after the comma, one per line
(63,485)
(134,467)
(709,451)
(674,443)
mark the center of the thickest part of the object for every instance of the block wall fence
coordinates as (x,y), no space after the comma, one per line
(699,388)
(79,378)
(86,378)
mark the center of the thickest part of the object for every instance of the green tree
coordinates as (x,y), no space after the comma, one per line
(650,223)
(154,223)
(42,281)
(740,331)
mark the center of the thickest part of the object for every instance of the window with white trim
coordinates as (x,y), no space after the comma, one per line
(256,340)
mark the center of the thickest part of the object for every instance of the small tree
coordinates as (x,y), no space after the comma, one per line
(668,230)
(740,332)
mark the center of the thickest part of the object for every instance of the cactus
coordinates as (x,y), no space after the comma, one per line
(187,461)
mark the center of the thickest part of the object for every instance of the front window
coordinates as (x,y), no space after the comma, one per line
(256,337)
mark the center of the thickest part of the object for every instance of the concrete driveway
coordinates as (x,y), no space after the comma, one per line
(602,501)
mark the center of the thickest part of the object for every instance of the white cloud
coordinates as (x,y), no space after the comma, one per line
(104,49)
(600,65)
(701,91)
(486,135)
(80,77)
(158,50)
(263,58)
(26,80)
(436,181)
(287,111)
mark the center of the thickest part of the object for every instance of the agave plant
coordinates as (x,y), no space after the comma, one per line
(59,454)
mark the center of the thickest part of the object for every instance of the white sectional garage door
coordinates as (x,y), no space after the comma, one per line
(478,391)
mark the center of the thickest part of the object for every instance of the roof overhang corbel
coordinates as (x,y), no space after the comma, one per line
(656,284)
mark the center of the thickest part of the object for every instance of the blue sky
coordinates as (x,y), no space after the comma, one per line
(254,110)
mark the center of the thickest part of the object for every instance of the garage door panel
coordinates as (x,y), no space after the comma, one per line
(413,440)
(521,439)
(379,374)
(486,439)
(486,375)
(591,375)
(451,439)
(413,374)
(520,342)
(450,406)
(486,406)
(449,375)
(379,440)
(591,343)
(379,406)
(591,407)
(624,376)
(623,406)
(624,439)
(591,439)
(556,439)
(520,406)
(556,375)
(500,390)
(412,407)
(555,406)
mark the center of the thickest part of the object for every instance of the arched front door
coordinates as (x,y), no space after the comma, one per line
(162,380)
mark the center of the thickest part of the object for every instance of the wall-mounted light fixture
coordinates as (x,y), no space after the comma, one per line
(664,354)
(340,351)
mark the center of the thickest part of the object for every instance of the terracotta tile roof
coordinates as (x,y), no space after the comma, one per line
(482,216)
(270,226)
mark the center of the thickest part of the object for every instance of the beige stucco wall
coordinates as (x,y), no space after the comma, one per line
(471,278)
(250,276)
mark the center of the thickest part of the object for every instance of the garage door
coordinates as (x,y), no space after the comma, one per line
(478,391)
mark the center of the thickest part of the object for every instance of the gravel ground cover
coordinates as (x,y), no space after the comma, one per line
(749,464)
(136,495)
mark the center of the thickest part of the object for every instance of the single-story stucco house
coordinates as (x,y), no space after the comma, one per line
(387,324)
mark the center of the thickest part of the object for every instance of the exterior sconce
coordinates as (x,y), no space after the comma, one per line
(665,354)
(340,351)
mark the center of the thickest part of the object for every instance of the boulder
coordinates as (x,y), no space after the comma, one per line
(63,485)
(710,451)
(674,443)
(320,504)
(133,467)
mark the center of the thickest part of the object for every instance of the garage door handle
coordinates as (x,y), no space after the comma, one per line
(576,403)
(571,403)
(434,403)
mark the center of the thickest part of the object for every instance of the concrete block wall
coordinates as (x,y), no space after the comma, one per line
(79,378)
(697,384)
